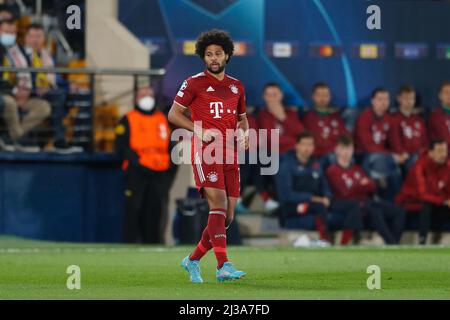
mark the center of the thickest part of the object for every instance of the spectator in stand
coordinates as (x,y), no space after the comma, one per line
(427,188)
(372,126)
(439,121)
(352,198)
(6,13)
(44,84)
(38,56)
(276,116)
(407,136)
(371,141)
(323,122)
(302,189)
(16,89)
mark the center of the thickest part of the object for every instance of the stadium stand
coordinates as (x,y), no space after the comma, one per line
(87,100)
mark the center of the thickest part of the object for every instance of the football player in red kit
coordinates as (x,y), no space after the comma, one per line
(439,120)
(216,102)
(408,133)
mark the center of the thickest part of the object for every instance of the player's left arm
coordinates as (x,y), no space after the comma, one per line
(242,120)
(243,130)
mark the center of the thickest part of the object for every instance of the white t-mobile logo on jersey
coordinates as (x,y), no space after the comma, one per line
(216,109)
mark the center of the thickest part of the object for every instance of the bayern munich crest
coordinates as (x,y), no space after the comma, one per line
(212,176)
(234,89)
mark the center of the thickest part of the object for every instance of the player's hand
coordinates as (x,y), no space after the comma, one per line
(229,219)
(447,203)
(365,181)
(326,202)
(401,157)
(243,142)
(398,158)
(323,200)
(206,135)
(242,139)
(209,135)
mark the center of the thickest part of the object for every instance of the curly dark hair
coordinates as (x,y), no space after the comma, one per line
(217,37)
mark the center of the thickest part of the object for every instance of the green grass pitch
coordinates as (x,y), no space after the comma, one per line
(37,270)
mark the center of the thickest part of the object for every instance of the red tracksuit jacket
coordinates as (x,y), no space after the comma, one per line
(345,183)
(407,134)
(289,128)
(439,125)
(325,127)
(371,132)
(426,181)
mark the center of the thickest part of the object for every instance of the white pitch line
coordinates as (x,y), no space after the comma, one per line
(187,248)
(88,250)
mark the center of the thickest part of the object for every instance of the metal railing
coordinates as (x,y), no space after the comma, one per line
(91,74)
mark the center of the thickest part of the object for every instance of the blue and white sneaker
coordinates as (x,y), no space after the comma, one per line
(193,268)
(228,272)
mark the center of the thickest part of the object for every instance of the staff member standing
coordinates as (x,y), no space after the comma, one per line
(143,137)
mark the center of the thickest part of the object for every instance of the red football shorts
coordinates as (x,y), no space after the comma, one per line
(216,175)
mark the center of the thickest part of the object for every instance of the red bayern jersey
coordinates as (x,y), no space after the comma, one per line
(289,128)
(216,103)
(439,124)
(407,134)
(326,128)
(371,132)
(345,183)
(426,181)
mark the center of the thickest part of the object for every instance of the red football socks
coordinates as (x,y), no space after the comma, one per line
(217,235)
(346,236)
(203,246)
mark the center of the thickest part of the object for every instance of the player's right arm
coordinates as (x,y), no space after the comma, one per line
(178,118)
(177,115)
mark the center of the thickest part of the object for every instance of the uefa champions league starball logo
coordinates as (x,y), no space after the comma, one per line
(183,85)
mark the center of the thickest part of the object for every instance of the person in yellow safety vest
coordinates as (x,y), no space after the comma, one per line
(142,141)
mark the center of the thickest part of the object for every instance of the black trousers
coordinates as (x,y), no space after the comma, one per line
(350,213)
(146,197)
(387,218)
(431,216)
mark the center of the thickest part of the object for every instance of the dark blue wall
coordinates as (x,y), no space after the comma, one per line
(166,23)
(62,198)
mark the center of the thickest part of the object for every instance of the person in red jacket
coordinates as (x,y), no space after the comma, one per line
(323,122)
(439,121)
(427,188)
(371,140)
(408,134)
(276,116)
(352,192)
(373,124)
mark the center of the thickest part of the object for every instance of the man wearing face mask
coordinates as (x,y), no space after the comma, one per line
(15,90)
(142,141)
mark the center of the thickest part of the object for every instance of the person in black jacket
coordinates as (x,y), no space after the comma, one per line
(302,188)
(143,142)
